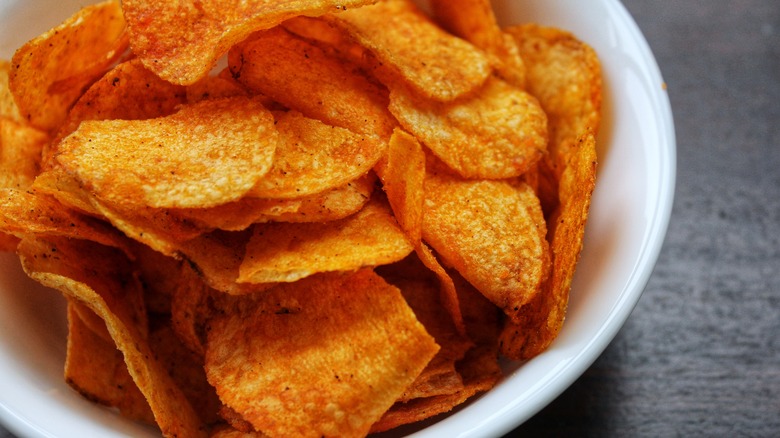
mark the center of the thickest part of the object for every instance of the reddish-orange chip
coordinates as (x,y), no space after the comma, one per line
(206,154)
(540,321)
(498,131)
(320,351)
(491,232)
(312,157)
(51,71)
(289,252)
(181,41)
(100,278)
(433,62)
(305,78)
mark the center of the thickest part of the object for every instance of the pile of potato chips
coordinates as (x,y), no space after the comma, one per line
(298,218)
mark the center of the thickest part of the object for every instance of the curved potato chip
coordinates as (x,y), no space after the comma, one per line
(312,157)
(206,154)
(497,132)
(128,92)
(331,366)
(433,62)
(217,256)
(475,21)
(333,204)
(99,278)
(20,153)
(51,71)
(8,107)
(181,41)
(490,232)
(564,73)
(403,175)
(95,368)
(30,213)
(303,77)
(540,320)
(288,252)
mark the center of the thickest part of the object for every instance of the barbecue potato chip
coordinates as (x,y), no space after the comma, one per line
(475,21)
(217,257)
(496,132)
(95,368)
(20,153)
(329,366)
(540,320)
(405,41)
(51,71)
(333,204)
(564,73)
(8,107)
(403,175)
(280,252)
(301,76)
(492,232)
(128,92)
(181,41)
(312,157)
(206,154)
(25,212)
(99,278)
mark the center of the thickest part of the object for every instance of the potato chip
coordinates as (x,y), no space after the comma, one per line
(51,71)
(496,132)
(490,232)
(99,278)
(406,42)
(288,252)
(8,107)
(95,368)
(128,92)
(564,73)
(62,186)
(439,376)
(206,154)
(333,204)
(303,77)
(215,87)
(403,175)
(20,153)
(312,157)
(475,21)
(186,369)
(325,367)
(29,213)
(217,257)
(540,320)
(181,41)
(154,227)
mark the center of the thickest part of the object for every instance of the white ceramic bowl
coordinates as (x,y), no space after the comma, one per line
(630,213)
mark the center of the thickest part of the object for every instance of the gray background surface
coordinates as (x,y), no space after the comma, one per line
(700,355)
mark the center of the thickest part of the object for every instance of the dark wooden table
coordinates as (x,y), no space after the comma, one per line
(700,356)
